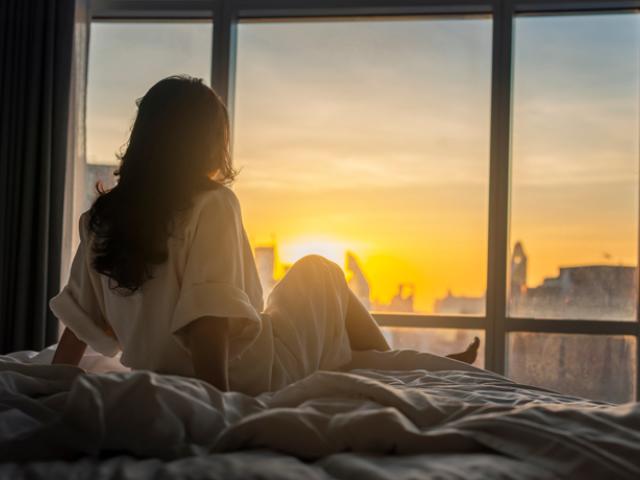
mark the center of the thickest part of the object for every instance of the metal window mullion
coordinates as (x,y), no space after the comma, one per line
(573,6)
(250,9)
(499,184)
(150,9)
(429,321)
(224,51)
(585,327)
(143,9)
(638,287)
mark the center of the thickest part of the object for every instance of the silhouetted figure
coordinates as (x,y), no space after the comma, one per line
(164,272)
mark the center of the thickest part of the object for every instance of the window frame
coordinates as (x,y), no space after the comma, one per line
(496,324)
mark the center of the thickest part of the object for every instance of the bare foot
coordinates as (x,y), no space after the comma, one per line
(470,354)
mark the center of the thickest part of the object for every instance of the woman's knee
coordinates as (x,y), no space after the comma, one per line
(314,261)
(314,268)
(313,278)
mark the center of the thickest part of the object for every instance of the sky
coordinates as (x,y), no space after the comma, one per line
(373,137)
(574,197)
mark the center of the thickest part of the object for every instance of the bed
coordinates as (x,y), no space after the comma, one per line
(391,415)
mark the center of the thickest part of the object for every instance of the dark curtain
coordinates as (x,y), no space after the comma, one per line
(36,38)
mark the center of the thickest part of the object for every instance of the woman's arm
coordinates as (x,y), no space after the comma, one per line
(208,340)
(70,349)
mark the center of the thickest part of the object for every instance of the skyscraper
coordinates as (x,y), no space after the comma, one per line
(266,264)
(358,282)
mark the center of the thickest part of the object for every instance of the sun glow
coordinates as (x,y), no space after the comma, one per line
(332,249)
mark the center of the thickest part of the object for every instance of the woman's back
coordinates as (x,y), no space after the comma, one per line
(209,270)
(164,271)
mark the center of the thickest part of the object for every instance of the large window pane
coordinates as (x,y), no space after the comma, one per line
(574,199)
(594,366)
(367,141)
(438,341)
(125,60)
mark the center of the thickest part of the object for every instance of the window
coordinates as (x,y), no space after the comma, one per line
(350,146)
(473,166)
(574,199)
(574,194)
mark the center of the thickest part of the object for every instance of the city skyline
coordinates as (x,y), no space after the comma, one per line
(582,291)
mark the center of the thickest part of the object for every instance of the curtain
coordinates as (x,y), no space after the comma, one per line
(36,38)
(75,180)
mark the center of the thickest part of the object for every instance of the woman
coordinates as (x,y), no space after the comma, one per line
(164,272)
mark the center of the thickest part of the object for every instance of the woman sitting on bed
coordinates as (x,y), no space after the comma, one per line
(164,272)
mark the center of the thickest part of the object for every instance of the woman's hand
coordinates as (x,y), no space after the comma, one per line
(70,349)
(208,341)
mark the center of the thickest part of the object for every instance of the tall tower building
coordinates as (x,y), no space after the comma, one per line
(358,282)
(518,272)
(266,265)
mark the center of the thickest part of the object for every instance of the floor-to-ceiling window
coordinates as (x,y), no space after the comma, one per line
(351,146)
(472,165)
(574,198)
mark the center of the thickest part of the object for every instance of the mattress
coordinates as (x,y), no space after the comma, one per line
(399,414)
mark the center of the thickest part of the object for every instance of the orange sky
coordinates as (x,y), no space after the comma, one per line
(374,137)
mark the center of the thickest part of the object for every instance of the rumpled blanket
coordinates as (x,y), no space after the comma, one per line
(439,406)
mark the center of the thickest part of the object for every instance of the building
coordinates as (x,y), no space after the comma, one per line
(459,305)
(266,264)
(578,292)
(401,302)
(98,174)
(518,273)
(581,292)
(358,282)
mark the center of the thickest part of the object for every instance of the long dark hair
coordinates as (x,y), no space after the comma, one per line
(178,147)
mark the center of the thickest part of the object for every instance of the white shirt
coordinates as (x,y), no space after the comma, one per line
(210,271)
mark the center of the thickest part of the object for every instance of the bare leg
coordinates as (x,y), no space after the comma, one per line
(363,330)
(364,333)
(470,354)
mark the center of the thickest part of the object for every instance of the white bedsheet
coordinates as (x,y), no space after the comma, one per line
(262,464)
(445,407)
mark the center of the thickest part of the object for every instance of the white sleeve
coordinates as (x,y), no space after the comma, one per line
(213,279)
(76,306)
